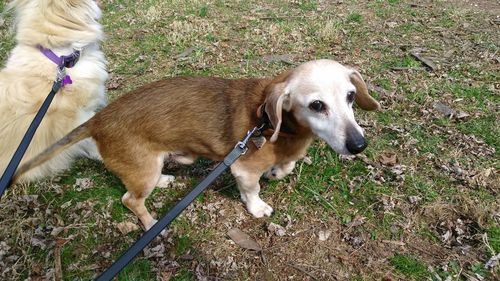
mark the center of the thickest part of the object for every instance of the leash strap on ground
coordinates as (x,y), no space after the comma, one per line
(6,179)
(154,231)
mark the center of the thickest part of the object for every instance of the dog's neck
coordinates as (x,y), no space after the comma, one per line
(290,128)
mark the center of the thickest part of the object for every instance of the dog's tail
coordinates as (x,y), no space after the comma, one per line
(79,133)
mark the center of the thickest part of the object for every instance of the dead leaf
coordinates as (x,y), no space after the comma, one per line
(356,222)
(446,236)
(126,227)
(389,159)
(165,276)
(443,109)
(186,53)
(158,251)
(461,114)
(391,24)
(388,203)
(288,59)
(83,183)
(38,243)
(115,82)
(66,204)
(414,199)
(492,262)
(324,235)
(56,230)
(243,240)
(377,89)
(427,62)
(4,249)
(200,275)
(307,160)
(277,229)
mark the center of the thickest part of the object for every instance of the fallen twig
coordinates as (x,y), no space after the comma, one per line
(402,68)
(302,270)
(398,243)
(57,259)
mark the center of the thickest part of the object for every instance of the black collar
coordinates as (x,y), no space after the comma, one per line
(266,124)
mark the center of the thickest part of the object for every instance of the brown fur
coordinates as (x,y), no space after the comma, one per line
(184,118)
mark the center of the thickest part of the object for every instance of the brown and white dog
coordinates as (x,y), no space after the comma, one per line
(62,26)
(183,118)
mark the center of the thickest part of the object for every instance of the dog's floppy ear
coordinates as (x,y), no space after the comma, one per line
(274,107)
(363,99)
(276,96)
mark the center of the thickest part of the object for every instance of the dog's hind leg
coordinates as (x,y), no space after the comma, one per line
(139,175)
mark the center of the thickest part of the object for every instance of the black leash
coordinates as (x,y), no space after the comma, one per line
(154,231)
(66,61)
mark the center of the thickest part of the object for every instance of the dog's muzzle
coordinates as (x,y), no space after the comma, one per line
(355,141)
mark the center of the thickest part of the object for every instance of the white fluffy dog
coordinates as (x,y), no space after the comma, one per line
(62,26)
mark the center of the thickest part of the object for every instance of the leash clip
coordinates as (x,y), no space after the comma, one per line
(256,131)
(61,73)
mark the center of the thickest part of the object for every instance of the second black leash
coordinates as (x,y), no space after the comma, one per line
(156,229)
(62,62)
(25,142)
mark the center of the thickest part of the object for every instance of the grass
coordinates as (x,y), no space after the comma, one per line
(410,267)
(364,203)
(494,238)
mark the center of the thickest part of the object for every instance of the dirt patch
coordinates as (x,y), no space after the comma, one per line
(482,6)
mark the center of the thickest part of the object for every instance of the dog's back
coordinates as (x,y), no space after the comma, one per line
(202,116)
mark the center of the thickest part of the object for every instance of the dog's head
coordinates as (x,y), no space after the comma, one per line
(57,23)
(320,95)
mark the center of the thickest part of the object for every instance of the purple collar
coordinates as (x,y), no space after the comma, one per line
(62,62)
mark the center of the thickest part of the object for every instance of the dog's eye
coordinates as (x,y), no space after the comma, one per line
(350,96)
(317,106)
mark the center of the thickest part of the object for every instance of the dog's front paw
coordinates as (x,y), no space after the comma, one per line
(259,208)
(163,233)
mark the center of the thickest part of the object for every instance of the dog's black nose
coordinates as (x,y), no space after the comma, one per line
(356,145)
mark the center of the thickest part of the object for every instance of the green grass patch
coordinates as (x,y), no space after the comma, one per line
(183,245)
(183,275)
(354,18)
(203,11)
(308,5)
(138,269)
(486,128)
(410,266)
(494,238)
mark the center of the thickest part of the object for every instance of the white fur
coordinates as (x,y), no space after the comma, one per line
(280,171)
(248,184)
(165,181)
(26,79)
(327,81)
(324,80)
